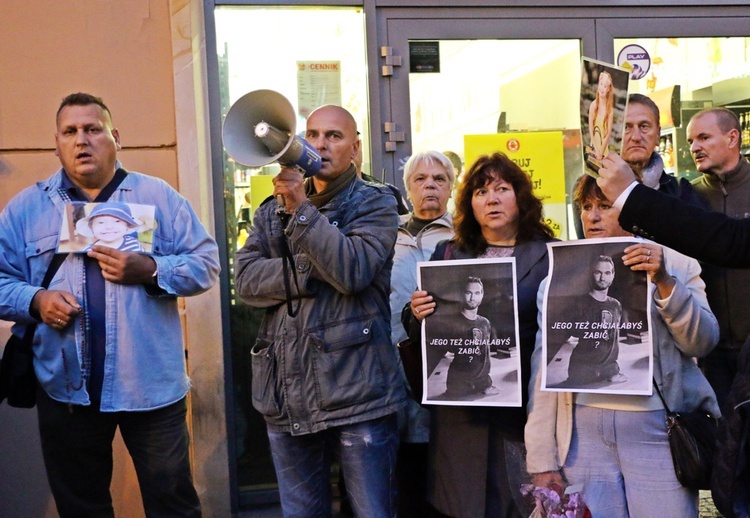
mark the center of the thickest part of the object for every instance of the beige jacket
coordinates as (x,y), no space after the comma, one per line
(683,327)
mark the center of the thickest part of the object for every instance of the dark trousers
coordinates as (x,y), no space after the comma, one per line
(77,450)
(720,368)
(411,476)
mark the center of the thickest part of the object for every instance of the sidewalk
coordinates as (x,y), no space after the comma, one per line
(706,508)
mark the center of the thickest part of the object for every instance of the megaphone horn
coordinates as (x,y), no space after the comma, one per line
(260,129)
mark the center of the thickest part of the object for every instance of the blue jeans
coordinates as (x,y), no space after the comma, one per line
(77,451)
(623,461)
(367,453)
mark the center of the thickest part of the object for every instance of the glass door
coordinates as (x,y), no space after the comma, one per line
(509,85)
(684,76)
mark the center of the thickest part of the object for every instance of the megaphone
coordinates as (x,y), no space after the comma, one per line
(260,129)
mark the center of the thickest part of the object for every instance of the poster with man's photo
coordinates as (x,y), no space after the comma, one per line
(128,227)
(596,325)
(470,343)
(604,98)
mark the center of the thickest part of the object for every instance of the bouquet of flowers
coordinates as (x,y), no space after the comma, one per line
(556,502)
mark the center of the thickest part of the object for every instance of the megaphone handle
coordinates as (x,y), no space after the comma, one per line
(281,211)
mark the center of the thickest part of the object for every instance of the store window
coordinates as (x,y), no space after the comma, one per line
(684,76)
(270,48)
(525,92)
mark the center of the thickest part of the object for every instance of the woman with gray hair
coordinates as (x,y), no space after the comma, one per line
(428,178)
(428,158)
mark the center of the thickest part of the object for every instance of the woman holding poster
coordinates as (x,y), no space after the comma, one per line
(476,454)
(614,445)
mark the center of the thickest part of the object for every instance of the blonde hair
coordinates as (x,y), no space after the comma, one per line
(610,95)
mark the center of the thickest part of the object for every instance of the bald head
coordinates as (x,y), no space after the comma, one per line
(333,132)
(331,110)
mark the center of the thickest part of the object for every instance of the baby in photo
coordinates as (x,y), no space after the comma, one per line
(112,225)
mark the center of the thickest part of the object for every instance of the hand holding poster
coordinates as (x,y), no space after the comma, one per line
(596,320)
(470,343)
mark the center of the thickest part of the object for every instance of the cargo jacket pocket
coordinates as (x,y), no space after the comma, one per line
(39,253)
(347,366)
(265,396)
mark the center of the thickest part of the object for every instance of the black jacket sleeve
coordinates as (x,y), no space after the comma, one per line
(706,236)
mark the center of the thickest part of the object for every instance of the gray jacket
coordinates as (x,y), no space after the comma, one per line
(333,363)
(414,420)
(727,287)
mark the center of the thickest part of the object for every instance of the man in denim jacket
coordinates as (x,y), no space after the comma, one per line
(324,371)
(108,349)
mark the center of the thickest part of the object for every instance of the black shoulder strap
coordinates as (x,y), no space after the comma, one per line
(54,265)
(287,261)
(110,188)
(658,392)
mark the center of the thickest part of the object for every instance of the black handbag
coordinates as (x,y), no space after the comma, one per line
(692,441)
(17,377)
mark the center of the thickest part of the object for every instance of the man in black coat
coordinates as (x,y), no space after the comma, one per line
(693,231)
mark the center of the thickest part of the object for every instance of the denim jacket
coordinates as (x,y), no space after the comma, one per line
(333,363)
(145,362)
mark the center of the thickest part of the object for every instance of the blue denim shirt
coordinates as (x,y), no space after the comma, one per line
(145,363)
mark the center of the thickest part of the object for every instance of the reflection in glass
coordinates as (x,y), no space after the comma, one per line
(500,86)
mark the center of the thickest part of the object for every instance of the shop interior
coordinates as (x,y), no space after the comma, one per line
(480,87)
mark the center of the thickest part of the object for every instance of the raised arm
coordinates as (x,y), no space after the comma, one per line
(706,236)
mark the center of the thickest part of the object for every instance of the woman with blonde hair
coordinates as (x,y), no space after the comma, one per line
(601,116)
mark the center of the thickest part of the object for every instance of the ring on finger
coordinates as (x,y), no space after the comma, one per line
(59,322)
(416,310)
(648,253)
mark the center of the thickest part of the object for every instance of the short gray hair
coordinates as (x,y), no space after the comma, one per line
(726,119)
(428,158)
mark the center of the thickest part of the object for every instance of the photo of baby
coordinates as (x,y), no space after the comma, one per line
(123,226)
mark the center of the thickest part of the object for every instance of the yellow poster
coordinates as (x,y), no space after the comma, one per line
(540,154)
(261,187)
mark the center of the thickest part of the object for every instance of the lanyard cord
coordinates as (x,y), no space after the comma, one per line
(287,261)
